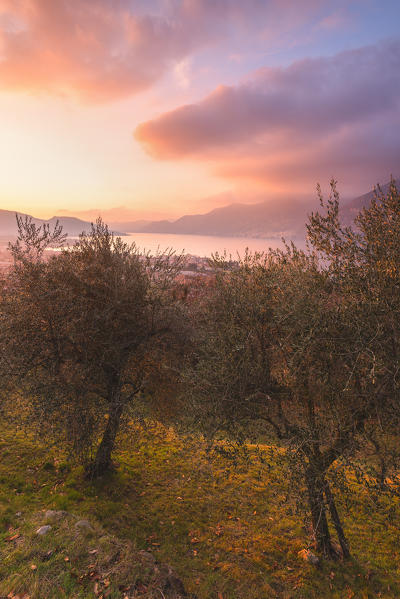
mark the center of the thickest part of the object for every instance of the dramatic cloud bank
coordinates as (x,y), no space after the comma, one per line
(338,113)
(100,50)
(95,49)
(269,96)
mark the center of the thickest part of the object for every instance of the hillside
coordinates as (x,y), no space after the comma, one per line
(71,225)
(259,220)
(229,532)
(284,218)
(351,209)
(52,552)
(262,220)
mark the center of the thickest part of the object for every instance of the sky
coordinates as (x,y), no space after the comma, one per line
(158,108)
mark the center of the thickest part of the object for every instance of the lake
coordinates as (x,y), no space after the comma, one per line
(200,245)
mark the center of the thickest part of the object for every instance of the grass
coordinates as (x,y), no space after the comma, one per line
(229,533)
(72,560)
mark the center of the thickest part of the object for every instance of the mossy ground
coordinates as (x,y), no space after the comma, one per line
(230,533)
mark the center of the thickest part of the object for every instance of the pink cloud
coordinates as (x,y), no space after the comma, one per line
(317,115)
(333,21)
(100,50)
(310,97)
(97,50)
(359,157)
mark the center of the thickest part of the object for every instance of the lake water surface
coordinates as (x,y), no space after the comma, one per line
(200,245)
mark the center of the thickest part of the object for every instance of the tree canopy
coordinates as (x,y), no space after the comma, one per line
(304,344)
(80,331)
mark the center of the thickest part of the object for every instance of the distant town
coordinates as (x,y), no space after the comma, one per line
(194,266)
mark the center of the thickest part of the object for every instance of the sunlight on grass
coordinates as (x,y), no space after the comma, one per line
(229,532)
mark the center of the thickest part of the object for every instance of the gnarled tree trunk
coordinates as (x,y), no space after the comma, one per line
(316,501)
(336,521)
(320,498)
(102,462)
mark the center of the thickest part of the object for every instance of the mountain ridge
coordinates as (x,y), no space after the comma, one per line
(263,220)
(233,220)
(71,225)
(283,218)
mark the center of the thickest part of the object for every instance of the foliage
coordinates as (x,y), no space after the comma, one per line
(83,330)
(363,262)
(306,344)
(294,350)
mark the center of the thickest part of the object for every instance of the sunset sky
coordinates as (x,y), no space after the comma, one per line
(158,108)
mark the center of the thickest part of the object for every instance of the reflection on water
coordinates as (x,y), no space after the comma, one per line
(200,245)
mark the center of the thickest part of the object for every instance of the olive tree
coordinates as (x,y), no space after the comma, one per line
(306,344)
(82,331)
(280,348)
(363,261)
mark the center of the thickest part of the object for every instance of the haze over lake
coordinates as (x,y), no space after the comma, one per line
(200,245)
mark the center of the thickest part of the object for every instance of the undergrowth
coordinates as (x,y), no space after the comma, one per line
(230,532)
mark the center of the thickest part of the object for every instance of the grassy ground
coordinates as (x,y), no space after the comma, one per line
(229,534)
(77,558)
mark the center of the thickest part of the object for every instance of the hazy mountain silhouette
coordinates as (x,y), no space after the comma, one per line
(263,220)
(71,225)
(133,225)
(276,219)
(283,218)
(353,207)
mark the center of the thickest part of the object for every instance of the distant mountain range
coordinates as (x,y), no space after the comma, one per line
(352,208)
(264,220)
(71,225)
(236,220)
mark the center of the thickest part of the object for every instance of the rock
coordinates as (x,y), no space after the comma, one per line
(174,584)
(50,514)
(309,556)
(83,525)
(43,530)
(55,514)
(166,579)
(147,558)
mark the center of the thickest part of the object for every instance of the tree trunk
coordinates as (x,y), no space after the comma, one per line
(315,488)
(382,474)
(102,462)
(336,521)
